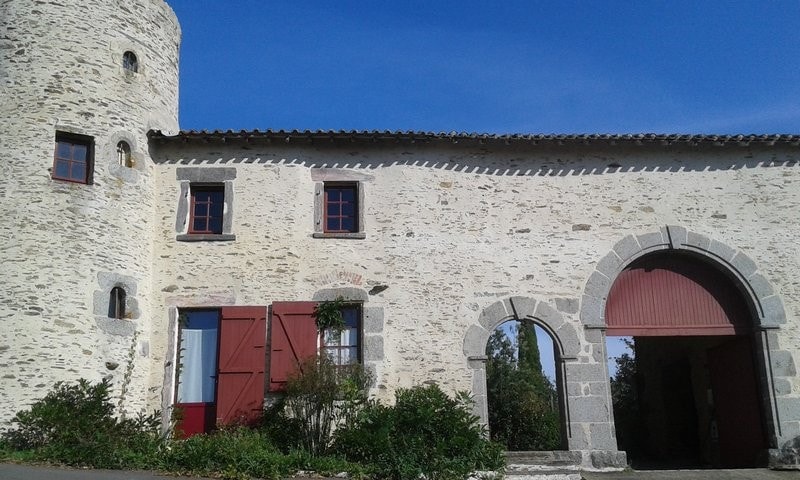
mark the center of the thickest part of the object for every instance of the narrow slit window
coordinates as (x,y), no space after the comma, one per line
(130,62)
(116,303)
(124,154)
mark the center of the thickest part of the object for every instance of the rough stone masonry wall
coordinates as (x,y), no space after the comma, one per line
(452,230)
(65,245)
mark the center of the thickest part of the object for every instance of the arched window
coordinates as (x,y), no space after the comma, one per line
(124,154)
(130,62)
(116,303)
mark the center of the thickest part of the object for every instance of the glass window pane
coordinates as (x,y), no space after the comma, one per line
(333,194)
(215,224)
(334,210)
(349,209)
(333,224)
(329,338)
(198,357)
(217,196)
(217,209)
(64,150)
(350,337)
(348,224)
(202,197)
(78,171)
(62,169)
(348,194)
(199,224)
(79,152)
(201,209)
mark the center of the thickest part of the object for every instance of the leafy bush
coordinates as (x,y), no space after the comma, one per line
(75,424)
(242,452)
(320,396)
(424,433)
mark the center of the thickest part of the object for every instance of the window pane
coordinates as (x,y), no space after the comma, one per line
(334,210)
(199,224)
(350,316)
(348,224)
(202,197)
(333,224)
(216,209)
(79,152)
(215,224)
(348,194)
(78,171)
(350,337)
(198,357)
(201,209)
(62,169)
(64,150)
(333,194)
(217,196)
(349,209)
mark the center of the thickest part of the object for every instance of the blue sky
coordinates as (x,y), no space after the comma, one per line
(500,67)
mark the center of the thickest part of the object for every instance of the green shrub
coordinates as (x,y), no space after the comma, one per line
(424,433)
(242,452)
(320,396)
(75,424)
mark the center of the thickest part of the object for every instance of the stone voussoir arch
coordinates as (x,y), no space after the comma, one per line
(564,335)
(768,305)
(777,367)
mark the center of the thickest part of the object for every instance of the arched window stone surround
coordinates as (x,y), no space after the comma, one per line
(588,424)
(776,367)
(371,327)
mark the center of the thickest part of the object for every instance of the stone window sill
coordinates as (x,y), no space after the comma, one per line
(353,235)
(205,237)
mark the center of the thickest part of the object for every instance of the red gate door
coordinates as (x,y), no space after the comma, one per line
(240,381)
(293,340)
(741,436)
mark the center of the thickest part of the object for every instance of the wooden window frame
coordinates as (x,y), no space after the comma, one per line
(193,203)
(73,140)
(325,348)
(327,202)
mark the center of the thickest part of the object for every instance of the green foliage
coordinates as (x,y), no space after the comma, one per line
(328,315)
(424,433)
(75,424)
(320,396)
(240,453)
(523,414)
(625,399)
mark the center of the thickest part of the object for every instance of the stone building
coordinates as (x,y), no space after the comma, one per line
(126,241)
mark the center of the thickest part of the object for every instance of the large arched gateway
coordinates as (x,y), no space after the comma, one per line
(704,320)
(697,397)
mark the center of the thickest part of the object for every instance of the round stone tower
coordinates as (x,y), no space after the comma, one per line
(81,84)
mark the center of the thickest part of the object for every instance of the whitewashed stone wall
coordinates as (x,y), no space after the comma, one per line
(63,246)
(452,229)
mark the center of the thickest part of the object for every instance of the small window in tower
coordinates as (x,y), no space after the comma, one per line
(116,303)
(74,158)
(130,62)
(124,154)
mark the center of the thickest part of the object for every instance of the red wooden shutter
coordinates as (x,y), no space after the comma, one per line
(240,381)
(294,339)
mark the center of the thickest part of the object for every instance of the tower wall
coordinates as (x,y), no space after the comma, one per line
(66,245)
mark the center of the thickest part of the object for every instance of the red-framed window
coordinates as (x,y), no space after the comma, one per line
(207,208)
(73,158)
(344,348)
(341,208)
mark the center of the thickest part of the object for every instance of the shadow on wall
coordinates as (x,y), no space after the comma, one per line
(471,157)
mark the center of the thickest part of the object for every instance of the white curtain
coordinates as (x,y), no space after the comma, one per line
(198,366)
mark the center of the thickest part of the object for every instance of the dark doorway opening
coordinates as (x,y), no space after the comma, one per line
(686,394)
(689,402)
